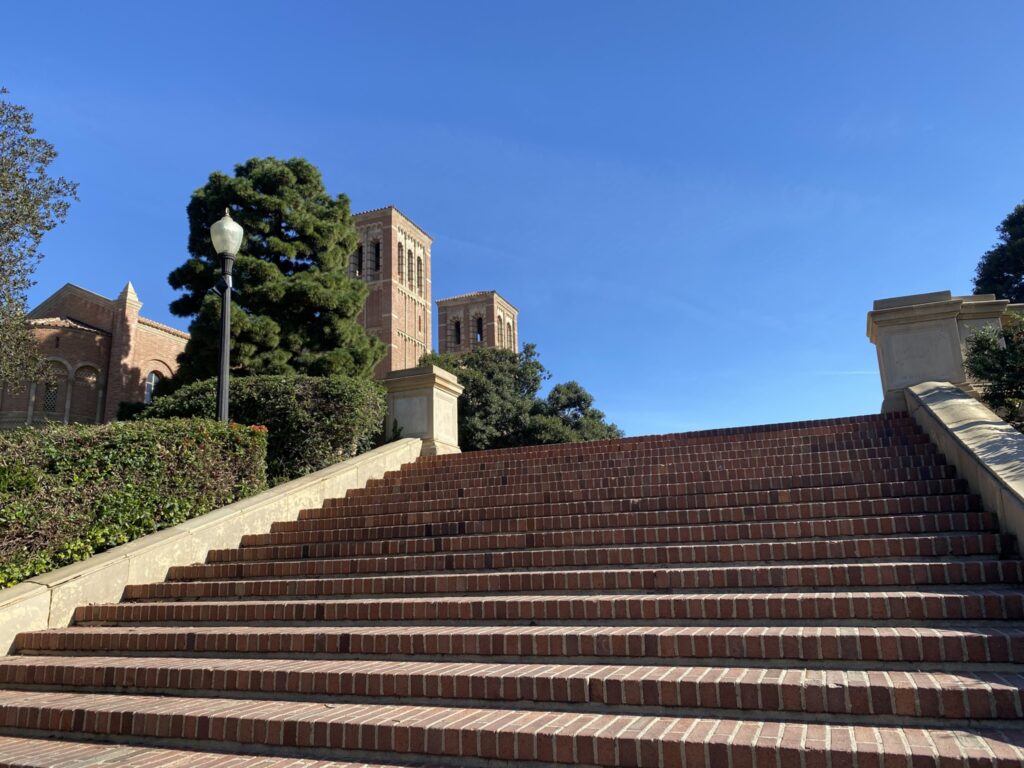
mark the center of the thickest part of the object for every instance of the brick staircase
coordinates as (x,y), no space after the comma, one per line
(815,594)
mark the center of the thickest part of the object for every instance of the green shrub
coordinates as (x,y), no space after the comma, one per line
(314,421)
(67,492)
(995,358)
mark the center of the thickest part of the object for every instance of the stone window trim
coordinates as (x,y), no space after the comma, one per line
(401,258)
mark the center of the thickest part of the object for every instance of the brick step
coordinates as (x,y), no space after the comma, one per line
(27,752)
(817,576)
(931,465)
(469,736)
(678,534)
(478,507)
(639,484)
(566,452)
(870,696)
(767,461)
(872,548)
(794,450)
(594,515)
(738,508)
(850,607)
(975,645)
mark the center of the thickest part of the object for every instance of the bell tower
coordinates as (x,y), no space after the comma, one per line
(393,258)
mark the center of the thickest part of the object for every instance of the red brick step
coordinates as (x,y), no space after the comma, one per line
(592,515)
(946,546)
(820,576)
(893,607)
(679,534)
(911,645)
(871,695)
(28,752)
(485,734)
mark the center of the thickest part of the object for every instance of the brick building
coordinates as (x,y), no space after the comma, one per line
(393,258)
(477,319)
(100,352)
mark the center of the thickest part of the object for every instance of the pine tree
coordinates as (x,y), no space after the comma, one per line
(295,308)
(1001,269)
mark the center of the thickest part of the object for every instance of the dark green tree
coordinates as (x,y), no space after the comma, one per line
(499,407)
(567,415)
(296,307)
(31,204)
(996,359)
(1001,269)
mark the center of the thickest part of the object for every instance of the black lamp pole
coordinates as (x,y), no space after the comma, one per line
(226,236)
(227,262)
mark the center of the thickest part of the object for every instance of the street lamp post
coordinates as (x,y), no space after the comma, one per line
(227,237)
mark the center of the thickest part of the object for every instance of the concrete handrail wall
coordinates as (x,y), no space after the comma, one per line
(50,599)
(987,452)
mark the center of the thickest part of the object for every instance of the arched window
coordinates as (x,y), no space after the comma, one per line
(479,329)
(376,256)
(501,333)
(84,395)
(419,276)
(457,333)
(401,258)
(409,266)
(358,265)
(152,380)
(52,392)
(511,340)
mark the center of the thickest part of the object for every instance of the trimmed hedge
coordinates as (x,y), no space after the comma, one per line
(314,421)
(67,492)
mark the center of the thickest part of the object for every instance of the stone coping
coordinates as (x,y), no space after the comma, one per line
(987,452)
(49,599)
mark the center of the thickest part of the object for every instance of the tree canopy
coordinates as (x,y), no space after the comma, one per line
(1001,269)
(500,407)
(31,204)
(996,359)
(295,308)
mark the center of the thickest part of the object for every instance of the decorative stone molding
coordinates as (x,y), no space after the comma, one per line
(424,403)
(50,599)
(922,338)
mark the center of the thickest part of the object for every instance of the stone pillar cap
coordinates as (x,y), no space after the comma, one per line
(916,308)
(416,378)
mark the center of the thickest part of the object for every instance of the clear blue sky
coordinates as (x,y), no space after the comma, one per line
(692,204)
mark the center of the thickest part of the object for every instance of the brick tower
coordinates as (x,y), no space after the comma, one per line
(393,257)
(481,319)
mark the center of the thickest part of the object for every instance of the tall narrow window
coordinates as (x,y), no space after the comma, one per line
(479,329)
(359,261)
(151,381)
(376,256)
(458,333)
(50,397)
(419,276)
(401,258)
(501,333)
(511,341)
(408,267)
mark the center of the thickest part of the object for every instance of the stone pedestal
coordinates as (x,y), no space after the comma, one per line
(424,402)
(922,338)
